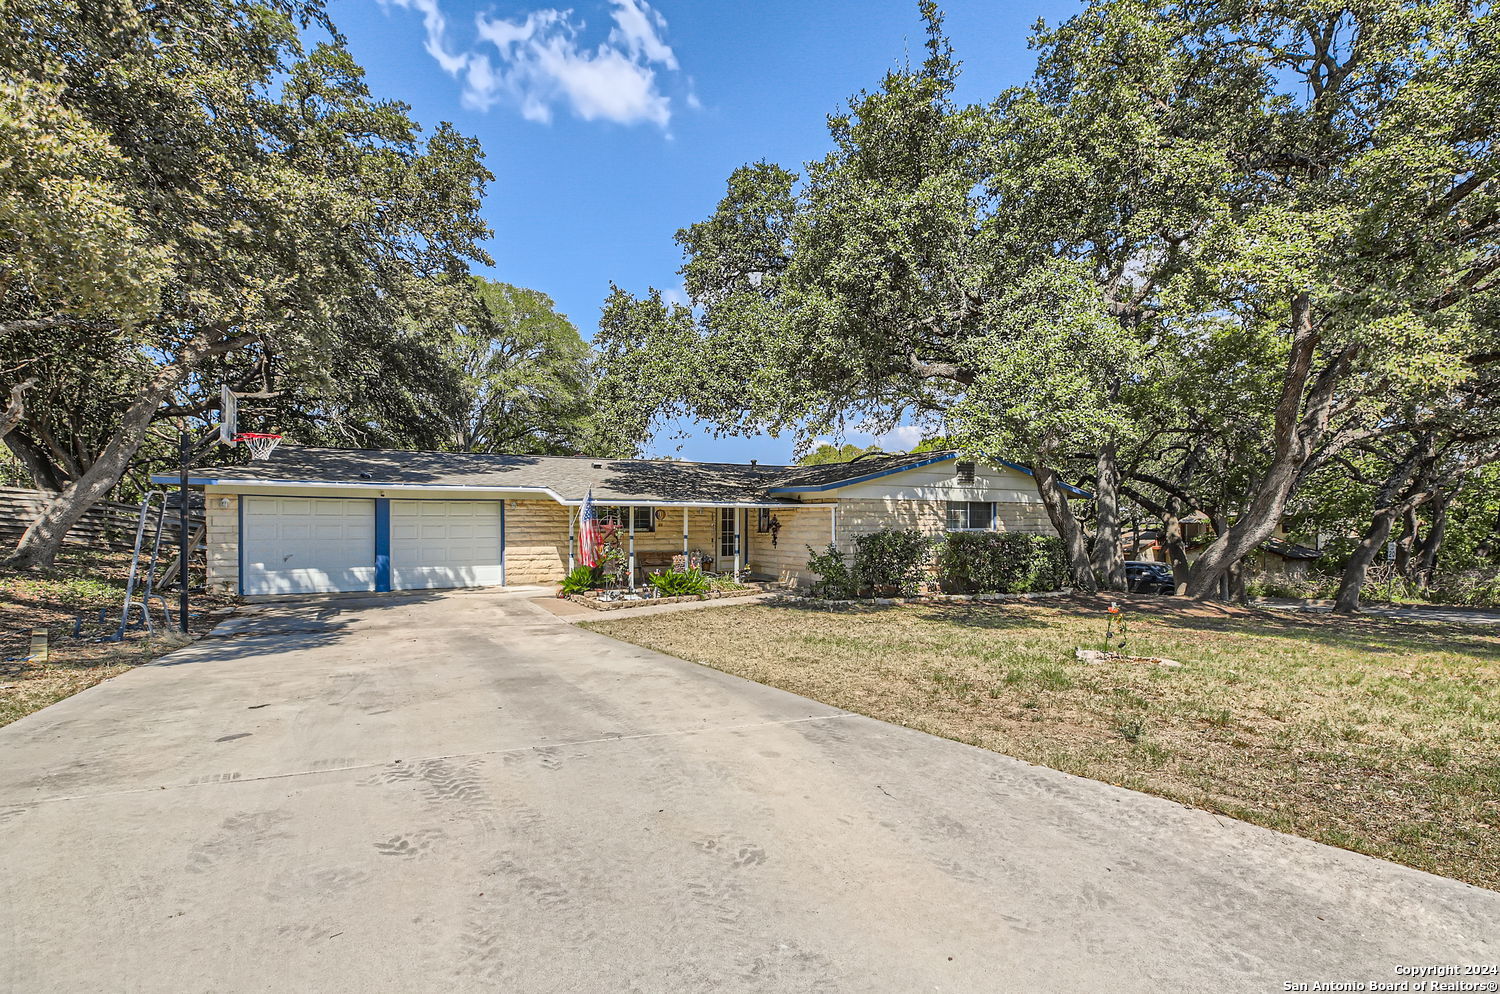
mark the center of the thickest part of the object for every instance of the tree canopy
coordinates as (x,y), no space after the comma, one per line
(195,189)
(1206,251)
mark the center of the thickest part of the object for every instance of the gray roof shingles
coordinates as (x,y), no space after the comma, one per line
(570,477)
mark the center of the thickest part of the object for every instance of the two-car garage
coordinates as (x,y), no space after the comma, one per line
(291,545)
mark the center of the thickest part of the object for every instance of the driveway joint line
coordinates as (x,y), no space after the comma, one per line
(37,802)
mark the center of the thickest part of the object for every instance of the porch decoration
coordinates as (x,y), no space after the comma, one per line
(774,527)
(588,533)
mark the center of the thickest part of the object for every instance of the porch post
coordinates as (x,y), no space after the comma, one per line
(631,512)
(686,562)
(739,513)
(570,540)
(833,522)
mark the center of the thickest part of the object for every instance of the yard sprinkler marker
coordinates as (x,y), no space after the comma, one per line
(1115,630)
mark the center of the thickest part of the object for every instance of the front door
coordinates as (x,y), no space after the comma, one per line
(726,538)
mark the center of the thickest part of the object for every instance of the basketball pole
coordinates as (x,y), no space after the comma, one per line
(185,447)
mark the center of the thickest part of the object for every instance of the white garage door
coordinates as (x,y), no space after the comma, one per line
(445,543)
(304,545)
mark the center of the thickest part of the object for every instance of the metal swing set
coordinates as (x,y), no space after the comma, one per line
(260,446)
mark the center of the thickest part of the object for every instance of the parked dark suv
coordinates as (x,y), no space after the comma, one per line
(1149,578)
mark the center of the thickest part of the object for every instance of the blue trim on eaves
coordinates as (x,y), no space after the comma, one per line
(862,479)
(917,465)
(1022,469)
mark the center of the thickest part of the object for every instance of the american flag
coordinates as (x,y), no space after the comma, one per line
(588,533)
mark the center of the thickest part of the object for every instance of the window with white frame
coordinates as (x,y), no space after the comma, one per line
(726,534)
(645,517)
(970,515)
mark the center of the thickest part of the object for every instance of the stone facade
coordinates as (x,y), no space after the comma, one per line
(222,519)
(536,538)
(536,534)
(811,526)
(536,541)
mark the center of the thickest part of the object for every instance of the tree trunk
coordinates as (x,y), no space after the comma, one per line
(1353,580)
(1405,542)
(1108,563)
(42,540)
(44,475)
(1061,515)
(1298,427)
(1172,544)
(15,410)
(1387,509)
(1426,552)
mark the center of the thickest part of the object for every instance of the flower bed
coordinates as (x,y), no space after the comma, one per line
(592,598)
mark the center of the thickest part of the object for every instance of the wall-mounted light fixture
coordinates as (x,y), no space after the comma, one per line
(223,501)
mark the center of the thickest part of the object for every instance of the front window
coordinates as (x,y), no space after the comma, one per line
(970,515)
(645,517)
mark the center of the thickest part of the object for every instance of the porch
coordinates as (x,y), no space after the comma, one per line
(743,540)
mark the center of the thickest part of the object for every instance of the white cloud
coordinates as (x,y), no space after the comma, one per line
(900,438)
(538,63)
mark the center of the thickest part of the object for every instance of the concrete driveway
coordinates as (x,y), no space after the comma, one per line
(458,792)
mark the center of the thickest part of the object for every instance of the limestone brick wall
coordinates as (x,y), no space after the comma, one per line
(536,538)
(222,539)
(801,527)
(703,533)
(787,559)
(536,541)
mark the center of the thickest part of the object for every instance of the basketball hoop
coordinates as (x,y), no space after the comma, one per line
(260,444)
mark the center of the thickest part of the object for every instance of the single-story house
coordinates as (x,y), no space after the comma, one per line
(312,520)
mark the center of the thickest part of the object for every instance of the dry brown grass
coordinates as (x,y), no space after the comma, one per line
(81,583)
(1378,736)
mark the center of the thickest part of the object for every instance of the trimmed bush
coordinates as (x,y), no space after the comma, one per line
(1001,563)
(837,582)
(886,563)
(890,562)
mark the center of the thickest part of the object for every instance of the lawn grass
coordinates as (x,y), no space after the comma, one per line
(1374,735)
(81,582)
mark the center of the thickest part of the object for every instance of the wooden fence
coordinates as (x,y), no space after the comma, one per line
(107,525)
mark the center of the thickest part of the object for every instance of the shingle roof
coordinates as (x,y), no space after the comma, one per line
(569,477)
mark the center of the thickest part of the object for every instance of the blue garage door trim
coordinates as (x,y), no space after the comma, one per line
(382,544)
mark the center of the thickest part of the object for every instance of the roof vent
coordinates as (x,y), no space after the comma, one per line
(597,465)
(965,472)
(365,476)
(754,462)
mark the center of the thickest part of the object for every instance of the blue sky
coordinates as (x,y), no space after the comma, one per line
(613,123)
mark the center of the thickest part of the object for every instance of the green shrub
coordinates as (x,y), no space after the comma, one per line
(890,561)
(583,578)
(1001,563)
(680,583)
(837,582)
(1468,588)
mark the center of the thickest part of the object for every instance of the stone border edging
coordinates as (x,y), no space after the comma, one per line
(615,605)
